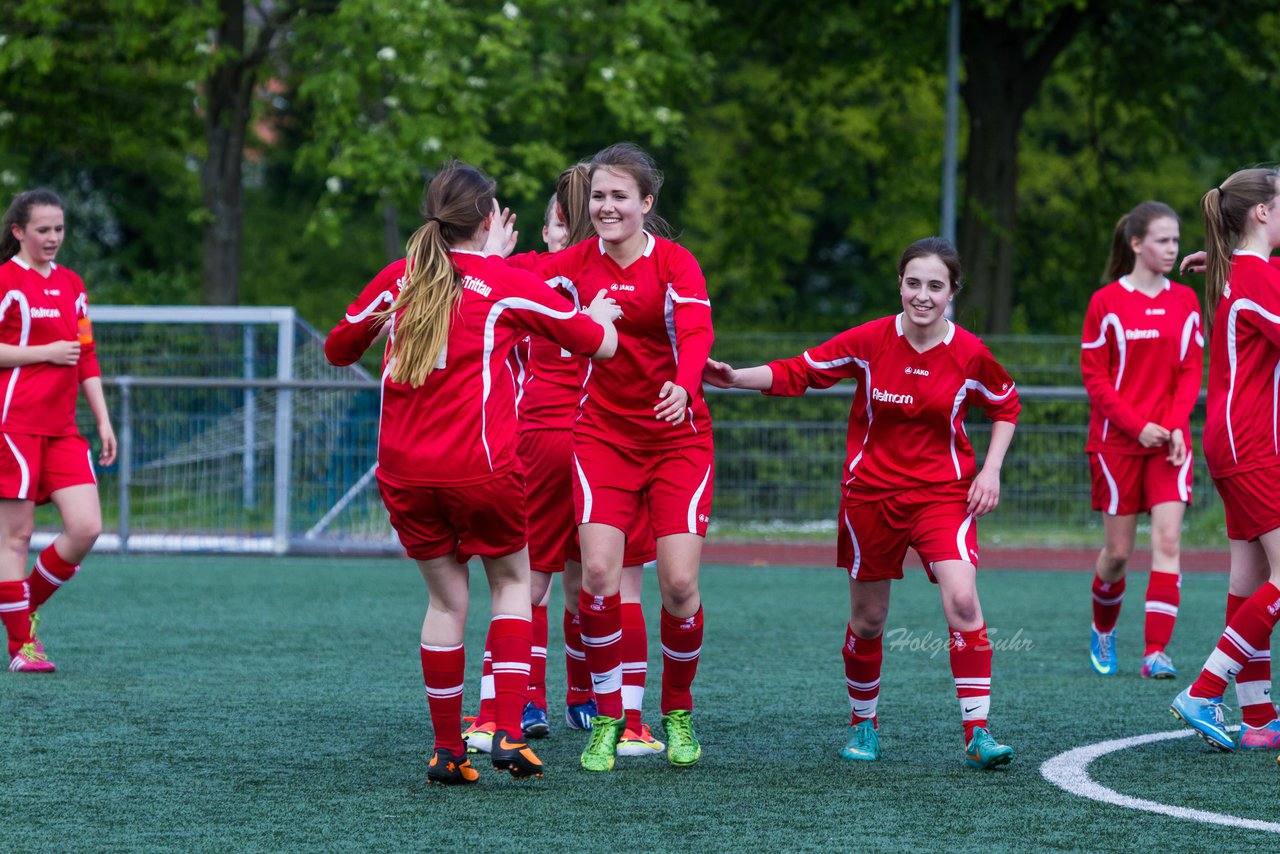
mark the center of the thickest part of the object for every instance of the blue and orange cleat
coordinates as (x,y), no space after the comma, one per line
(1102,652)
(984,751)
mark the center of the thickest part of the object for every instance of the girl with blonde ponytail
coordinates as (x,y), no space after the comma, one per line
(1242,306)
(447,468)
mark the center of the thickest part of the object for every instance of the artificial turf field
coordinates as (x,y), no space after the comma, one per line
(277,704)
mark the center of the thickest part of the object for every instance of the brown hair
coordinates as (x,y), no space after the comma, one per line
(934,246)
(19,214)
(573,194)
(1133,224)
(631,159)
(457,201)
(1226,218)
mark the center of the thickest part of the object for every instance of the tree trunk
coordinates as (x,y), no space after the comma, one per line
(1005,66)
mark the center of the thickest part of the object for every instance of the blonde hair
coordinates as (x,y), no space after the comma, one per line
(1226,213)
(457,201)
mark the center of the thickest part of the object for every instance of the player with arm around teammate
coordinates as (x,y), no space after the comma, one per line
(47,353)
(910,479)
(1141,359)
(447,467)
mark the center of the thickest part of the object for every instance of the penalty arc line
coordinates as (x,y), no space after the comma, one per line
(1070,771)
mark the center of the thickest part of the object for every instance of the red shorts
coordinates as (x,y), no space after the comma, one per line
(1250,499)
(1126,484)
(612,484)
(934,520)
(485,519)
(547,457)
(34,467)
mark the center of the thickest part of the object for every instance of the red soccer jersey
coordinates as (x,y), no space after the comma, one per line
(40,399)
(1142,361)
(906,425)
(459,427)
(1241,421)
(664,334)
(553,378)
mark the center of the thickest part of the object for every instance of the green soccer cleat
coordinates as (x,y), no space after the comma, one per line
(682,745)
(985,752)
(602,748)
(863,744)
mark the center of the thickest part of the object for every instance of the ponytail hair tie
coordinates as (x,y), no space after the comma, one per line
(436,220)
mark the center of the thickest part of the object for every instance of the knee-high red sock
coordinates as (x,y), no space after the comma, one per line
(635,662)
(16,613)
(1249,630)
(1107,599)
(681,647)
(442,668)
(537,693)
(509,645)
(863,658)
(1253,682)
(1162,609)
(576,673)
(49,573)
(971,668)
(601,620)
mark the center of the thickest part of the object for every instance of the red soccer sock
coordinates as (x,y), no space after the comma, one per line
(1162,609)
(487,714)
(1107,599)
(50,573)
(681,646)
(576,673)
(1247,634)
(442,669)
(635,662)
(16,612)
(863,658)
(537,693)
(509,645)
(1253,682)
(971,668)
(601,621)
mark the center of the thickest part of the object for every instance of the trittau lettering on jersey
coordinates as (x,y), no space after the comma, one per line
(890,397)
(471,283)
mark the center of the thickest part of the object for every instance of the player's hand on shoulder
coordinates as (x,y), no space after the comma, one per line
(673,403)
(1193,263)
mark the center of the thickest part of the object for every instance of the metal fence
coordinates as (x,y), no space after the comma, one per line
(236,435)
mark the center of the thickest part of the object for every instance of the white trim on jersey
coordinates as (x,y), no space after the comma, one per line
(648,247)
(25,486)
(1109,319)
(1184,480)
(669,316)
(693,502)
(1165,284)
(1189,327)
(518,378)
(490,323)
(586,489)
(958,401)
(946,339)
(384,298)
(1236,307)
(24,315)
(1114,504)
(89,456)
(962,533)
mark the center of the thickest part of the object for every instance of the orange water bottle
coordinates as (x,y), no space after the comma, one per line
(84,331)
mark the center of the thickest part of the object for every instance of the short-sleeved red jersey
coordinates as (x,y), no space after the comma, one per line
(906,425)
(1242,420)
(664,333)
(459,427)
(40,399)
(1142,361)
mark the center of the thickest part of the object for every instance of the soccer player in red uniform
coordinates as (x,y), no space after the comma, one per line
(1242,311)
(910,479)
(548,402)
(46,354)
(1141,357)
(642,438)
(447,467)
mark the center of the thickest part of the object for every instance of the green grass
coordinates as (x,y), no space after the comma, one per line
(273,704)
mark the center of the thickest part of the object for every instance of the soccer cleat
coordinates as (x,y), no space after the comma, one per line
(1102,652)
(479,737)
(1205,717)
(534,722)
(579,715)
(35,623)
(985,752)
(863,744)
(1265,737)
(448,769)
(640,743)
(682,745)
(515,757)
(1157,665)
(602,747)
(30,660)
